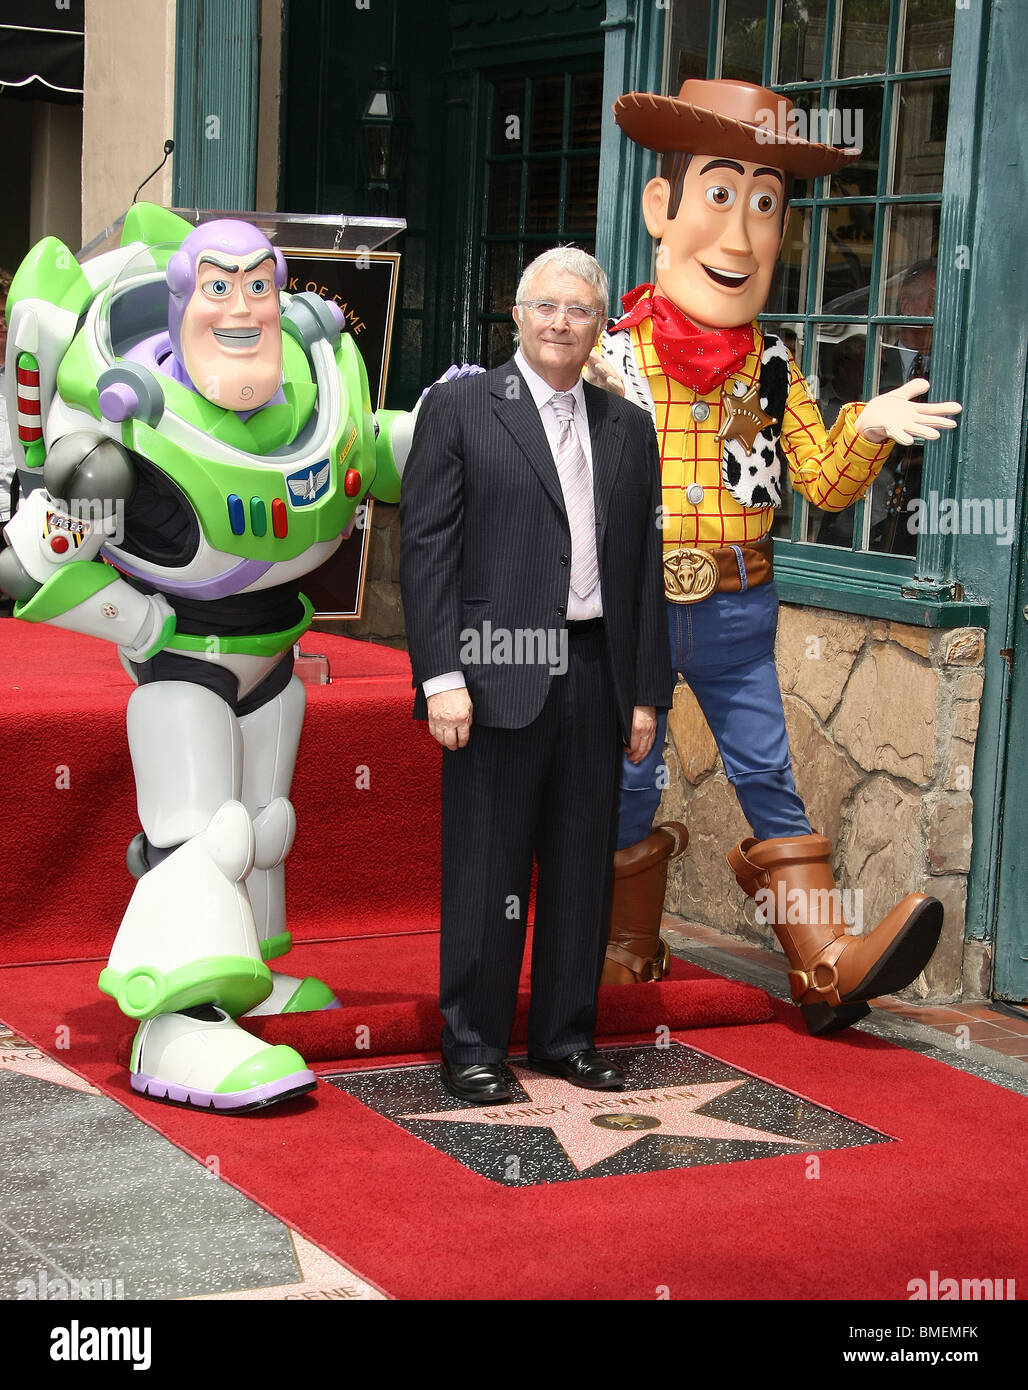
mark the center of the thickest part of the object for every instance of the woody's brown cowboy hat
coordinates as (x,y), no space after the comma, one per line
(736,119)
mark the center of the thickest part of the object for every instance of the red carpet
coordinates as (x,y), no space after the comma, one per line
(403,1017)
(365,859)
(419,1225)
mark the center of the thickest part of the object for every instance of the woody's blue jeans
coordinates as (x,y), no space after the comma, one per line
(723,647)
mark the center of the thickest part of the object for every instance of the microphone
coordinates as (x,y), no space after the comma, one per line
(169,145)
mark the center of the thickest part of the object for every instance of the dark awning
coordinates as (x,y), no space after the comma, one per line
(41,49)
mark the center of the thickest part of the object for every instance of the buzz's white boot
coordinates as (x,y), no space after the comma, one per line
(204,1060)
(188,934)
(185,960)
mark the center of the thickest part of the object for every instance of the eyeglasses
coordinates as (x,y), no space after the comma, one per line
(574,313)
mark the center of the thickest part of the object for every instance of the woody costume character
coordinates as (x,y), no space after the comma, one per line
(733,413)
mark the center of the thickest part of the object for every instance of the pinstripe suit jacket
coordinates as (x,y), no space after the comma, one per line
(485,537)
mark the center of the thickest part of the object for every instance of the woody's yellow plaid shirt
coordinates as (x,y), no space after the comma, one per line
(831,469)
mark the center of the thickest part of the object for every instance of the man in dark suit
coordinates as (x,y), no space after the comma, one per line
(530,567)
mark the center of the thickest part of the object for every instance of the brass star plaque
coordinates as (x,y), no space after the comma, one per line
(679,1109)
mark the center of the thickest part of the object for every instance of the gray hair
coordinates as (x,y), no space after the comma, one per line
(573,261)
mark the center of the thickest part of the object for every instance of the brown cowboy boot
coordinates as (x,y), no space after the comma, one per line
(832,973)
(636,951)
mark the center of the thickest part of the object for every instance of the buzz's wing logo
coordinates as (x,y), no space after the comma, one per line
(307,486)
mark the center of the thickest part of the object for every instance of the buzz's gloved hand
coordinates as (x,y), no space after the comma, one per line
(50,570)
(401,431)
(453,373)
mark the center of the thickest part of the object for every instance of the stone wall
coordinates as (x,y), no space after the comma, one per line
(882,720)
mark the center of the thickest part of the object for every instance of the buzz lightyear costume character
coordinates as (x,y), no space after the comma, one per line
(200,454)
(733,413)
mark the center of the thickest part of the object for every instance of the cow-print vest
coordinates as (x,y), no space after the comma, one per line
(753,477)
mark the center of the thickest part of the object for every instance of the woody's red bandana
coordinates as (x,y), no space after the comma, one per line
(698,359)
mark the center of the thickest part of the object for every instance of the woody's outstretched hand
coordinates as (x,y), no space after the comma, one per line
(896,415)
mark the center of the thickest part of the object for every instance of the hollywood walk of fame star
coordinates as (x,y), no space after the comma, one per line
(591,1128)
(744,418)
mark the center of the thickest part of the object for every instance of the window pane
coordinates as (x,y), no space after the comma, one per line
(586,108)
(863,37)
(804,101)
(801,40)
(912,247)
(897,485)
(497,343)
(899,482)
(837,380)
(791,334)
(504,197)
(928,36)
(583,182)
(690,26)
(847,272)
(789,287)
(838,375)
(905,352)
(921,136)
(858,122)
(508,100)
(541,211)
(907,348)
(547,114)
(501,277)
(743,53)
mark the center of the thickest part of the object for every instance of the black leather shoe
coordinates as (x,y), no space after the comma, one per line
(586,1068)
(482,1083)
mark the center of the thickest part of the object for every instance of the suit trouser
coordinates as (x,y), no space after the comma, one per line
(549,789)
(724,647)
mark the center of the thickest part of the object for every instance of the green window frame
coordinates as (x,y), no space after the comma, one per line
(511,236)
(748,39)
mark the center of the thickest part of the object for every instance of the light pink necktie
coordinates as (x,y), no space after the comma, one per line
(577,485)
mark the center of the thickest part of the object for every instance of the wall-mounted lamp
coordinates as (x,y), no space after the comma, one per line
(385,132)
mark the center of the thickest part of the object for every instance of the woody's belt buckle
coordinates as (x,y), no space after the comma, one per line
(689,575)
